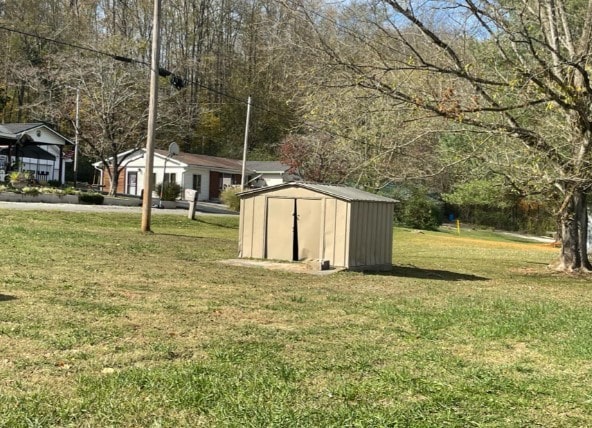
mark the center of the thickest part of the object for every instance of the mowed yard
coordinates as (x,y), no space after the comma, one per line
(101,325)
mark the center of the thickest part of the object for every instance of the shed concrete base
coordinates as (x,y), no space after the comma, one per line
(288,267)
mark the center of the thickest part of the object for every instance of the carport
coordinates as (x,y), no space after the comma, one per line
(299,221)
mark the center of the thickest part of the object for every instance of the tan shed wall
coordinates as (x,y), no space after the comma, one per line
(245,228)
(252,228)
(259,213)
(279,242)
(310,228)
(335,239)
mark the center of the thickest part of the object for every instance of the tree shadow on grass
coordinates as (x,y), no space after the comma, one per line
(6,298)
(433,274)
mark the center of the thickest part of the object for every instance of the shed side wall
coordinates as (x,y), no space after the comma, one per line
(341,230)
(371,236)
(357,229)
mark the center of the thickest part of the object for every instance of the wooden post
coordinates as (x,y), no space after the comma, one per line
(152,109)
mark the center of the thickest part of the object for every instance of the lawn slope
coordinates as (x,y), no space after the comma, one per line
(101,325)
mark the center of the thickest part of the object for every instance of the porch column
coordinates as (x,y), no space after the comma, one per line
(62,177)
(9,162)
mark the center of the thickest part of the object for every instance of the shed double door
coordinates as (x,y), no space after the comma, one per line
(293,229)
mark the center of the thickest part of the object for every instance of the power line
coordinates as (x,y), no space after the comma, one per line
(72,45)
(175,80)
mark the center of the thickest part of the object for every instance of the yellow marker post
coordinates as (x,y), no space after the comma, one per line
(458,226)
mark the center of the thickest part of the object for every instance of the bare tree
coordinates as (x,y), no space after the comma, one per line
(519,69)
(316,157)
(113,111)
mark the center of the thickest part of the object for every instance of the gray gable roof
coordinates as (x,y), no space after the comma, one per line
(215,162)
(15,131)
(345,193)
(17,128)
(267,166)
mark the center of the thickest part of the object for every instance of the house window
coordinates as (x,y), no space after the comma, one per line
(197,182)
(225,181)
(170,178)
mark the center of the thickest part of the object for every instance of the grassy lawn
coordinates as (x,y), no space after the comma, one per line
(101,325)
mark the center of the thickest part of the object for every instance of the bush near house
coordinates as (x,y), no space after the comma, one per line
(168,191)
(230,197)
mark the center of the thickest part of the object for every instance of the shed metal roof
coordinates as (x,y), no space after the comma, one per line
(345,193)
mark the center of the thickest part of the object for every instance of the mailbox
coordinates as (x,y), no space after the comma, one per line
(190,194)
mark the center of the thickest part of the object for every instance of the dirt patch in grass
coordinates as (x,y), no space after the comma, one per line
(296,267)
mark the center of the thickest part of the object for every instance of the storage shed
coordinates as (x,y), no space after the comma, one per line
(297,221)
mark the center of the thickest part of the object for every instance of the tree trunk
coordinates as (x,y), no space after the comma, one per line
(574,236)
(114,177)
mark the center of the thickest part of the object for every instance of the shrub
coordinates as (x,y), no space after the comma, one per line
(53,183)
(19,176)
(170,191)
(51,191)
(421,212)
(70,191)
(230,198)
(20,179)
(91,198)
(33,191)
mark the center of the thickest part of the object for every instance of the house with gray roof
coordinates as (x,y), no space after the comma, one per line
(36,148)
(209,175)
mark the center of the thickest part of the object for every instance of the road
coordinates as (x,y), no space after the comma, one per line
(203,208)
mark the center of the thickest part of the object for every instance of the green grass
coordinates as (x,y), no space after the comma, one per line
(101,325)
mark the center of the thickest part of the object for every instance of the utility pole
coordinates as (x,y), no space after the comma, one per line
(152,113)
(246,144)
(76,133)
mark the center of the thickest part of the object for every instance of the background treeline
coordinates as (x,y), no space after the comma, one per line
(311,108)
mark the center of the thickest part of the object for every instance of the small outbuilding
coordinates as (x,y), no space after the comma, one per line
(297,221)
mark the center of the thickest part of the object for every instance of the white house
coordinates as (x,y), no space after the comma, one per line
(33,147)
(209,175)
